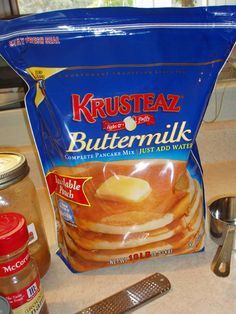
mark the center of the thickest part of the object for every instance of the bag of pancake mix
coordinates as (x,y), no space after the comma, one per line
(116,97)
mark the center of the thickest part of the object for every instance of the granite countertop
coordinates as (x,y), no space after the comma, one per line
(195,288)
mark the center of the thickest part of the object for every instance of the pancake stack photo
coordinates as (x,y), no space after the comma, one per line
(138,209)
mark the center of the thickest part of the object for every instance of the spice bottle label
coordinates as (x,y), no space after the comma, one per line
(13,266)
(28,300)
(32,233)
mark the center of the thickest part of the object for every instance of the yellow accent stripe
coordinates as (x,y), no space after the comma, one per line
(41,73)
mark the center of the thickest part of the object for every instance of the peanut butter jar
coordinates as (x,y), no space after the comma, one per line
(18,194)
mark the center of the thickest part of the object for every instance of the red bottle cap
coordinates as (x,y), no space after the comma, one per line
(13,232)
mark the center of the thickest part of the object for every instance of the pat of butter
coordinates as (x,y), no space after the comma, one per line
(124,188)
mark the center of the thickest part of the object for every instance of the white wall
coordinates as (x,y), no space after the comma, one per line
(221,2)
(222,105)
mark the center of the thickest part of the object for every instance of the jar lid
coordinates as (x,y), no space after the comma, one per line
(13,232)
(4,306)
(13,168)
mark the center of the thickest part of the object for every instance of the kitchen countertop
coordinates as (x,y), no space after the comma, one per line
(195,289)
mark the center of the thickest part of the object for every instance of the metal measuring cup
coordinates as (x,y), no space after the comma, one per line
(222,223)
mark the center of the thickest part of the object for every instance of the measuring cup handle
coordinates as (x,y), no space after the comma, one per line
(221,262)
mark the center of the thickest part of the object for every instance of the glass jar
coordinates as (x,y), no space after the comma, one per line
(19,276)
(18,194)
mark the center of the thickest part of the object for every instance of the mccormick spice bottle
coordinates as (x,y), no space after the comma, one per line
(19,276)
(18,194)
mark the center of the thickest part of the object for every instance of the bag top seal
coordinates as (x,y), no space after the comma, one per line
(87,20)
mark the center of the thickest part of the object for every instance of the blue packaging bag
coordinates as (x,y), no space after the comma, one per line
(116,97)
